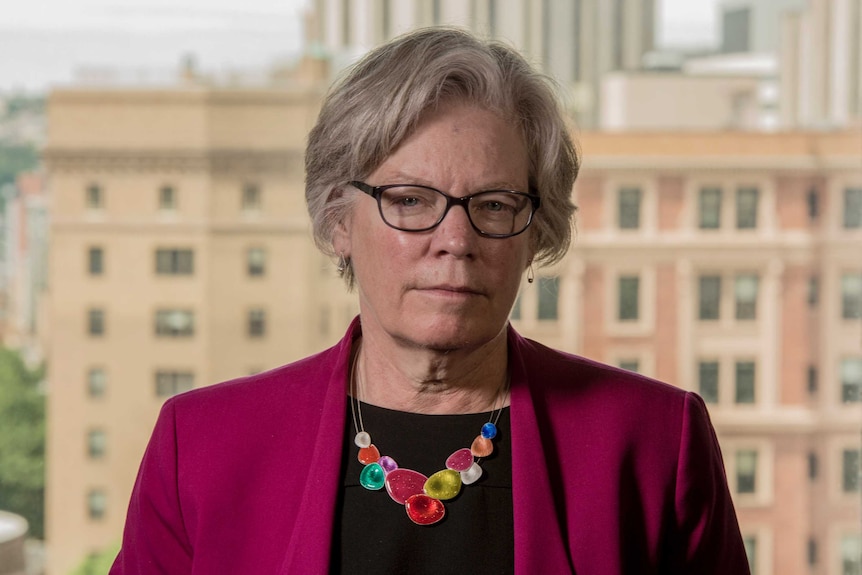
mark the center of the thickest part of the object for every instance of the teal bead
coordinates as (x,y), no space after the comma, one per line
(372,477)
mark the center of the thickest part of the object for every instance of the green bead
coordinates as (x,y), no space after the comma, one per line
(443,485)
(372,477)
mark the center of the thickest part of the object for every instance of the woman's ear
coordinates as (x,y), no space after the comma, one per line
(341,243)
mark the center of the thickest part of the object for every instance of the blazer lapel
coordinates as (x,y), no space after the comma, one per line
(540,545)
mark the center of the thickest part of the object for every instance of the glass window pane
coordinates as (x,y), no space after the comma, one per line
(629,208)
(94,197)
(169,383)
(853,208)
(167,198)
(851,380)
(745,382)
(850,471)
(250,197)
(256,261)
(851,554)
(549,293)
(746,471)
(630,365)
(95,263)
(96,322)
(710,208)
(709,297)
(708,381)
(256,323)
(746,208)
(96,443)
(750,543)
(175,323)
(97,382)
(629,298)
(851,296)
(97,502)
(745,290)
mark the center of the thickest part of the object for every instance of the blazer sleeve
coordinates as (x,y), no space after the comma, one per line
(155,538)
(710,540)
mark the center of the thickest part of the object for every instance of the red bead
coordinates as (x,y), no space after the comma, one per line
(424,510)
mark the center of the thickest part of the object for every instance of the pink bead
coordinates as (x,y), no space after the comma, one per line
(461,460)
(402,483)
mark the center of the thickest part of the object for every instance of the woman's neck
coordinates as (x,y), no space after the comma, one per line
(420,380)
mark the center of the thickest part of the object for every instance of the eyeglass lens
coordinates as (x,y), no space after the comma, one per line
(415,208)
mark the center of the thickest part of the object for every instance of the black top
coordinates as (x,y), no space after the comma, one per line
(374,533)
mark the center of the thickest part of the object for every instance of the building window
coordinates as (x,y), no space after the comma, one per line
(746,471)
(745,291)
(813,199)
(167,198)
(256,261)
(250,198)
(812,379)
(629,298)
(850,471)
(549,291)
(96,261)
(851,555)
(170,383)
(97,382)
(710,208)
(812,551)
(812,466)
(709,297)
(708,381)
(851,296)
(750,543)
(94,197)
(96,444)
(97,503)
(746,208)
(813,291)
(851,380)
(96,322)
(175,262)
(630,365)
(175,323)
(735,35)
(744,382)
(256,323)
(629,208)
(853,208)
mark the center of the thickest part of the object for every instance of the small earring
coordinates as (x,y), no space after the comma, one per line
(530,277)
(341,267)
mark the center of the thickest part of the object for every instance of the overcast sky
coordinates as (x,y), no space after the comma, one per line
(44,42)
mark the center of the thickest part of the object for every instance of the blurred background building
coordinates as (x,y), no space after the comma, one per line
(719,230)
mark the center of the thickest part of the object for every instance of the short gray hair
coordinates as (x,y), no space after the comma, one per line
(381,99)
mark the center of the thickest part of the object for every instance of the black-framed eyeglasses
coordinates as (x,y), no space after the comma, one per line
(414,208)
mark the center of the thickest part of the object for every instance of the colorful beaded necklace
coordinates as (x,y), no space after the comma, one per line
(421,496)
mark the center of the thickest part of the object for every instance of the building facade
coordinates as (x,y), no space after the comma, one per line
(180,256)
(575,41)
(728,264)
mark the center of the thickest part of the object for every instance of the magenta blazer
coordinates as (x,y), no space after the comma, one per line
(611,473)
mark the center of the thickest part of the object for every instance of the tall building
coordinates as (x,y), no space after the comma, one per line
(180,256)
(575,41)
(728,264)
(821,65)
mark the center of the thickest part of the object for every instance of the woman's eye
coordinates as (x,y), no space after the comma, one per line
(409,202)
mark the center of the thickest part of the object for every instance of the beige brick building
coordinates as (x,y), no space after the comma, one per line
(726,263)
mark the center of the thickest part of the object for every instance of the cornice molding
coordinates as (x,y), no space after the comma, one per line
(224,161)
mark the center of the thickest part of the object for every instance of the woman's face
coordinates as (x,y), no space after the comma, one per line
(447,288)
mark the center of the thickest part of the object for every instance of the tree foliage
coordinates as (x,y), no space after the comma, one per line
(98,563)
(22,441)
(16,158)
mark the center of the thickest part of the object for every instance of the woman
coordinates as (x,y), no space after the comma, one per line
(433,438)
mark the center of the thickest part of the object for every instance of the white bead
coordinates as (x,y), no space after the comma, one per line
(472,474)
(362,439)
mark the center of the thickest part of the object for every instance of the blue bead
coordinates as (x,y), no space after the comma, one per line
(489,431)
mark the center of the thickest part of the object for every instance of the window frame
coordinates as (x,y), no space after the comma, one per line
(95,261)
(162,326)
(96,322)
(174,261)
(256,323)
